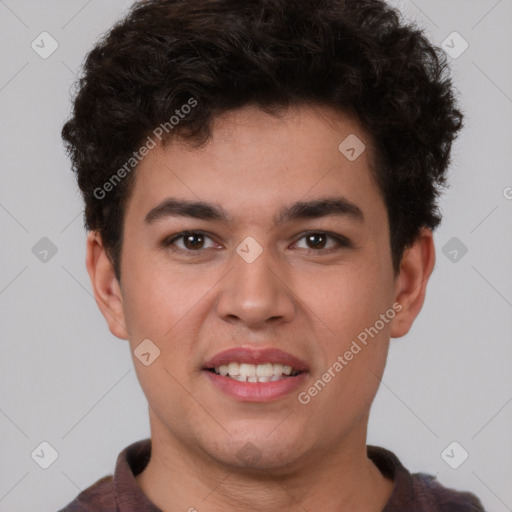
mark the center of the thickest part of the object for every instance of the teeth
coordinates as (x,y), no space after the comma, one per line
(265,370)
(248,370)
(233,369)
(244,372)
(278,369)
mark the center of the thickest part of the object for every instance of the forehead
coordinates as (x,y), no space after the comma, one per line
(255,161)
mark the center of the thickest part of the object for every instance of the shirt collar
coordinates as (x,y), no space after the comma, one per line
(130,462)
(402,495)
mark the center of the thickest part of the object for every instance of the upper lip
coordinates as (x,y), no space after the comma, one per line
(256,356)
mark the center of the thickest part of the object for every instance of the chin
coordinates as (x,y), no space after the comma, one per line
(260,453)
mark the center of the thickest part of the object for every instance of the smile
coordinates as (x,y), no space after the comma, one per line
(266,372)
(247,374)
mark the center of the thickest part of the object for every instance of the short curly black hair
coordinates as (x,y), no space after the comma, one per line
(357,56)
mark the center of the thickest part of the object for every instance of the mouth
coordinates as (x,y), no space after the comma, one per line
(244,372)
(256,375)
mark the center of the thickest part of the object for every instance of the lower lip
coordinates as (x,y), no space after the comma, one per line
(256,391)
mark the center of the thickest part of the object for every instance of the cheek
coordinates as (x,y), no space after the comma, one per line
(348,299)
(353,340)
(158,296)
(166,305)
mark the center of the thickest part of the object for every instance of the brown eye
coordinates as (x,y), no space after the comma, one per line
(191,241)
(318,240)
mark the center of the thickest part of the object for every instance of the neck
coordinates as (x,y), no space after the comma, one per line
(177,478)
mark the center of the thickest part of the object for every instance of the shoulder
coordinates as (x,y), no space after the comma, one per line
(99,497)
(112,491)
(419,492)
(439,498)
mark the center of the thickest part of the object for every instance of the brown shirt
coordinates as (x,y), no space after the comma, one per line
(418,492)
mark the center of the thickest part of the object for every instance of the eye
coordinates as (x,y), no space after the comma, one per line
(317,241)
(191,241)
(195,241)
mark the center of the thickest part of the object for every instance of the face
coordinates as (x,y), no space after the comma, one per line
(286,263)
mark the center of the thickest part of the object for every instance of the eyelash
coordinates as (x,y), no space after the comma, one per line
(341,241)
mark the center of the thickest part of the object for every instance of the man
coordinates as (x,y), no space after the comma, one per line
(260,182)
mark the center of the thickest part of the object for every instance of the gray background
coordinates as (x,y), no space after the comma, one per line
(65,380)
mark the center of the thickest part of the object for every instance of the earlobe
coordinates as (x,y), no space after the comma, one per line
(107,291)
(415,269)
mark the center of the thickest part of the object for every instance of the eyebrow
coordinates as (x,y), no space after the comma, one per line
(317,208)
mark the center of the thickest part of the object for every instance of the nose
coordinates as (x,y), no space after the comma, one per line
(256,294)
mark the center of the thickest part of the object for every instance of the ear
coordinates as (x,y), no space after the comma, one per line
(107,291)
(411,284)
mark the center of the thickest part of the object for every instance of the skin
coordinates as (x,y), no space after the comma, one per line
(311,302)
